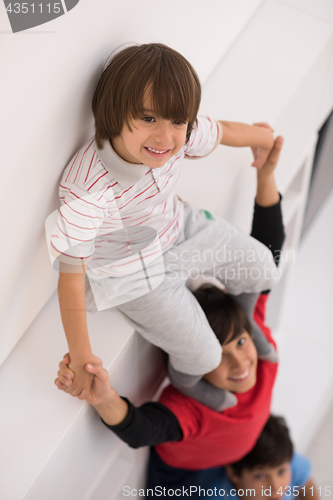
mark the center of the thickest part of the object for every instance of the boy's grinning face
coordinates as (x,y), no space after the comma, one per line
(152,140)
(265,479)
(237,371)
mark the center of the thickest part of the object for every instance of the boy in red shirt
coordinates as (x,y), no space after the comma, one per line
(189,438)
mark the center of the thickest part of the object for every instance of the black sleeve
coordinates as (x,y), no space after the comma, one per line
(148,425)
(267,227)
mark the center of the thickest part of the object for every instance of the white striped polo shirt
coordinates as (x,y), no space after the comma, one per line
(112,210)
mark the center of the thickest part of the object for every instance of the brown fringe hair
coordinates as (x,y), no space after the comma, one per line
(172,83)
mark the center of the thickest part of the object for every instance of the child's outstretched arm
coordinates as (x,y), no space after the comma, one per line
(146,425)
(106,401)
(267,193)
(71,292)
(259,137)
(267,227)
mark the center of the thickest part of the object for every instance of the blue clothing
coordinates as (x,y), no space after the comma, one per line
(188,483)
(300,475)
(300,470)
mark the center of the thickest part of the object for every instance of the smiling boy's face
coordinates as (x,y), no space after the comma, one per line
(273,479)
(237,371)
(151,140)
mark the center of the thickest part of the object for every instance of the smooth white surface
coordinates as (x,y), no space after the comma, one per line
(320,450)
(299,120)
(322,9)
(266,64)
(129,472)
(303,389)
(327,101)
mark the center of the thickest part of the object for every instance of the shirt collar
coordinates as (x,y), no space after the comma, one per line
(123,172)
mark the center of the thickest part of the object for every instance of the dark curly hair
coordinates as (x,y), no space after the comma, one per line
(273,448)
(226,318)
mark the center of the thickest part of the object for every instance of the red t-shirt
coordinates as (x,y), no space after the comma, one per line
(212,439)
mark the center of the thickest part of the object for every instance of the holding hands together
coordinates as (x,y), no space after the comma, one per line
(100,387)
(261,153)
(81,387)
(106,401)
(259,137)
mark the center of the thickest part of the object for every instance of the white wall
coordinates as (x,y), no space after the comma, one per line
(259,60)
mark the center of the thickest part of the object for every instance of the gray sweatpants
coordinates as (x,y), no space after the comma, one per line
(169,316)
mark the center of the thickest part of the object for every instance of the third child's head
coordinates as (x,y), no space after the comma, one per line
(237,371)
(266,469)
(146,103)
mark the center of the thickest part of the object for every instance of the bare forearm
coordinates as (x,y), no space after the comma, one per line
(267,193)
(114,410)
(242,135)
(71,292)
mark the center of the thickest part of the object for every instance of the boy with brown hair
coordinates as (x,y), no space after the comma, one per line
(121,222)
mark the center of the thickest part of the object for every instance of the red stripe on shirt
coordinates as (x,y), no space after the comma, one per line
(80,213)
(93,156)
(88,202)
(88,189)
(152,184)
(67,255)
(75,225)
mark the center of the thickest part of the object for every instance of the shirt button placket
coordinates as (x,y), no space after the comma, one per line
(155,180)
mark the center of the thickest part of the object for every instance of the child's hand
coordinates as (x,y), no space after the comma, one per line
(267,193)
(261,154)
(80,387)
(271,162)
(100,389)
